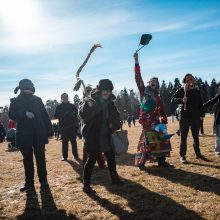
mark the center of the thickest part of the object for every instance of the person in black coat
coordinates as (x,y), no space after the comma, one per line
(33,129)
(2,133)
(216,100)
(100,118)
(191,114)
(67,114)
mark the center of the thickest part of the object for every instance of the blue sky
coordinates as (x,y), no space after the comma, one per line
(47,40)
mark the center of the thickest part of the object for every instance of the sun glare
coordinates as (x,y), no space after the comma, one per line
(21,20)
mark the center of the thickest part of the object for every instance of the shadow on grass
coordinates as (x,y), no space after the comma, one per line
(76,167)
(204,165)
(97,174)
(47,211)
(206,135)
(194,180)
(125,160)
(143,204)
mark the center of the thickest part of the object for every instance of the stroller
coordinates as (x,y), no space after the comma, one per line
(10,137)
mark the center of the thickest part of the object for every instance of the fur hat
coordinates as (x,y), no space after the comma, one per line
(25,84)
(105,84)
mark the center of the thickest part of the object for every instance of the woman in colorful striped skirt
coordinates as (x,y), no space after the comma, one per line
(152,147)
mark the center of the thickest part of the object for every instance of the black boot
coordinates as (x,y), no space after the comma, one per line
(162,163)
(27,187)
(88,190)
(116,180)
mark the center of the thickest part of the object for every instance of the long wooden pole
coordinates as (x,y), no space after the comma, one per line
(80,81)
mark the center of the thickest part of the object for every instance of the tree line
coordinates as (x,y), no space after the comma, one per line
(128,101)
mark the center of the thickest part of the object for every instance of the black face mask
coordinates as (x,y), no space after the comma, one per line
(26,95)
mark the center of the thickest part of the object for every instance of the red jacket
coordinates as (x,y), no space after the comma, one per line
(157,114)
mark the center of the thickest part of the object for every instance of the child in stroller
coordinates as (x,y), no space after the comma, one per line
(10,137)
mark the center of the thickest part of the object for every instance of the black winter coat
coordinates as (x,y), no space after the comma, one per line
(67,114)
(2,133)
(194,108)
(213,101)
(30,132)
(92,119)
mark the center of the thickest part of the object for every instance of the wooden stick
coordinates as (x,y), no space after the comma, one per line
(80,81)
(87,58)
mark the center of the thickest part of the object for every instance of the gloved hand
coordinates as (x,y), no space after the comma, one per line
(30,115)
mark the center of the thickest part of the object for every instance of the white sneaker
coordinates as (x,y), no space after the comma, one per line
(183,160)
(217,153)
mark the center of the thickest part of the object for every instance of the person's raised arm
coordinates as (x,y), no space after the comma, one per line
(138,77)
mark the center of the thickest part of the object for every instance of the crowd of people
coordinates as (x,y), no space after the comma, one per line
(97,118)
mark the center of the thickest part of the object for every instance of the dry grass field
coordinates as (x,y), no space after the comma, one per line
(189,191)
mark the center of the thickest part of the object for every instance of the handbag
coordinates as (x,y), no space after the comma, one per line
(119,140)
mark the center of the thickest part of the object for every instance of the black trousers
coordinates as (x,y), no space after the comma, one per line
(39,153)
(69,135)
(91,160)
(185,124)
(201,127)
